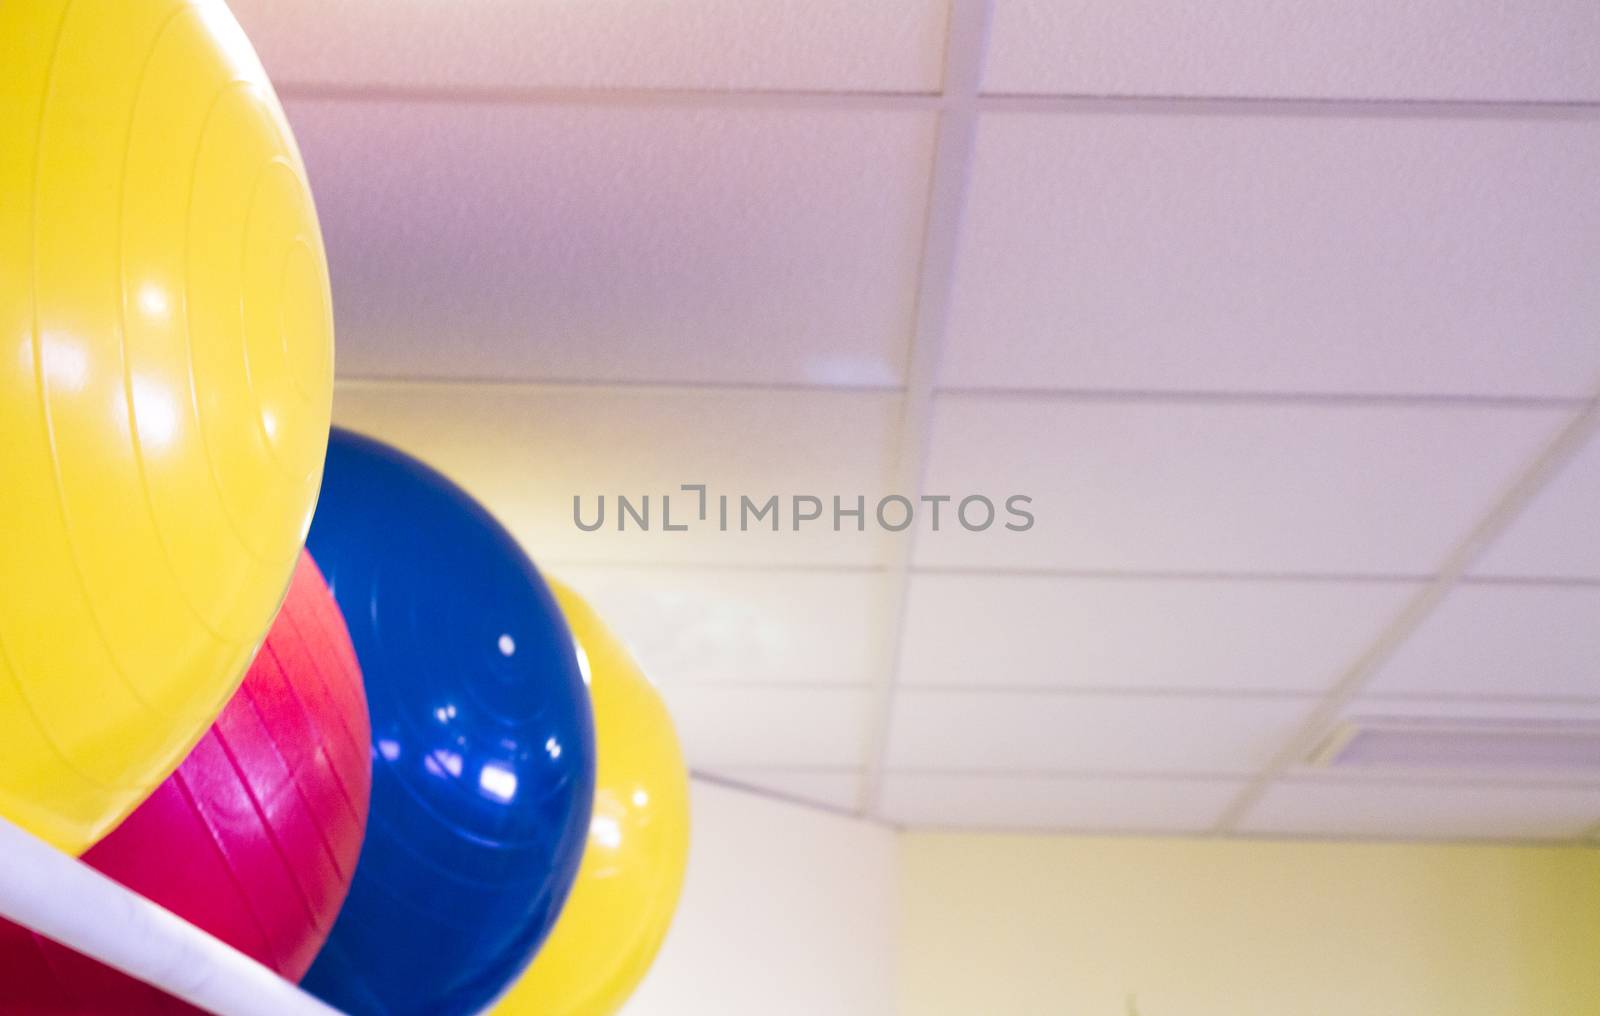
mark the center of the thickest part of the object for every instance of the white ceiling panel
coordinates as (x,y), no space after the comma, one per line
(1280,253)
(1558,533)
(1224,486)
(1502,640)
(1424,811)
(1083,804)
(619,244)
(726,727)
(1129,633)
(1371,49)
(740,626)
(807,45)
(1473,709)
(832,788)
(1052,732)
(527,451)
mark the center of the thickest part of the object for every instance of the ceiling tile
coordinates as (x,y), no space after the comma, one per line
(1052,732)
(807,45)
(1433,49)
(1223,486)
(1087,804)
(528,451)
(1558,534)
(727,727)
(738,626)
(1502,640)
(619,244)
(1471,709)
(832,788)
(1424,811)
(1128,633)
(1394,255)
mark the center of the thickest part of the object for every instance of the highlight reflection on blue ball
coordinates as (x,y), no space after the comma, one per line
(483,743)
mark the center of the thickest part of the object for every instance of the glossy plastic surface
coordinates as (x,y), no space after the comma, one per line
(632,872)
(254,838)
(166,364)
(483,762)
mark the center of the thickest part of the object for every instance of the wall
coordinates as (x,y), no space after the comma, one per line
(786,910)
(1111,927)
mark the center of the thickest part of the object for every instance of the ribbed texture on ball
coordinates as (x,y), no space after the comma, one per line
(633,868)
(254,838)
(483,740)
(166,358)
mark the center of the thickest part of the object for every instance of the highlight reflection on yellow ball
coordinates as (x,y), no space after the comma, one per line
(632,871)
(166,366)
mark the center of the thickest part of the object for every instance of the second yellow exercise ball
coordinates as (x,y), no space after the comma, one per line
(166,375)
(633,866)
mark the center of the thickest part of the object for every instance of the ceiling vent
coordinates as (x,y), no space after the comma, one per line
(1460,745)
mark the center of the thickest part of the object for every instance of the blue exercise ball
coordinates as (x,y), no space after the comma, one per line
(483,748)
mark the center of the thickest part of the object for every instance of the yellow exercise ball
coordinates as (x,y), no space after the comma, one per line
(632,871)
(166,375)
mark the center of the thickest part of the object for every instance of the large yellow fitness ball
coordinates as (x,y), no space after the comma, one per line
(633,866)
(166,366)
